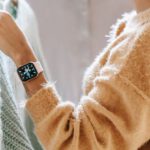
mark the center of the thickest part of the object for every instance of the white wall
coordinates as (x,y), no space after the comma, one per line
(72,33)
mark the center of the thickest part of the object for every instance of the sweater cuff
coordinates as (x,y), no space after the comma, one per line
(42,102)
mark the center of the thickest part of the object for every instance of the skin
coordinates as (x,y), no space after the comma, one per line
(14,44)
(141,5)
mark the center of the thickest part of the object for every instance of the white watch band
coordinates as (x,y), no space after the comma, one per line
(38,66)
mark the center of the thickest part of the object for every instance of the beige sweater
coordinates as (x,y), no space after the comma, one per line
(114,110)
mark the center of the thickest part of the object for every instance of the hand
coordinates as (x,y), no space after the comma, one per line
(12,40)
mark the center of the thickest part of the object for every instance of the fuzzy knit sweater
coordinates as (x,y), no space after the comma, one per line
(114,110)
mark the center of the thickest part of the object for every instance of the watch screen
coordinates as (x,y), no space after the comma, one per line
(27,72)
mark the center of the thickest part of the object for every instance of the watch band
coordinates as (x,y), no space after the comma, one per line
(38,66)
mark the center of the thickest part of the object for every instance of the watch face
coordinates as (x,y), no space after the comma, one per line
(27,72)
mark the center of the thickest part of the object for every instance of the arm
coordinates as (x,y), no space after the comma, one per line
(114,115)
(14,44)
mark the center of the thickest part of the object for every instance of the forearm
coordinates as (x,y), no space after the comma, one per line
(35,84)
(15,45)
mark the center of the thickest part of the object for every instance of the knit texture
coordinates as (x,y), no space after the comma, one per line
(14,135)
(114,110)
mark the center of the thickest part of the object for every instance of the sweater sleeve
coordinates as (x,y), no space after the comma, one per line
(114,115)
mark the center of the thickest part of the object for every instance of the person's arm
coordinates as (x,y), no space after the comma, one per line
(14,44)
(113,115)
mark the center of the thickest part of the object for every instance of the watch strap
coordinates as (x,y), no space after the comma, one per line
(38,66)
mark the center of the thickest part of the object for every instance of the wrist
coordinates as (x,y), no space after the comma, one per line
(35,85)
(25,56)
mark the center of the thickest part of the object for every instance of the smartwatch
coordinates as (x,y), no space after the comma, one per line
(29,71)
